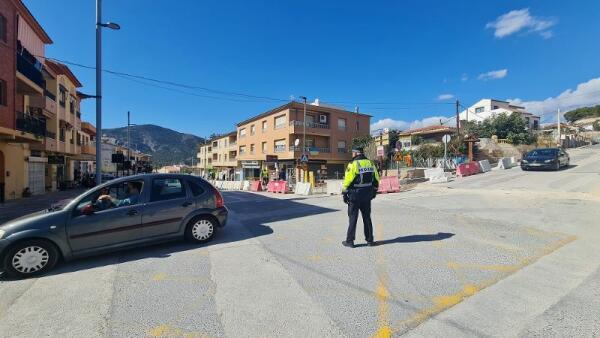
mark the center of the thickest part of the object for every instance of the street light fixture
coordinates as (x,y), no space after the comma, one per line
(99,26)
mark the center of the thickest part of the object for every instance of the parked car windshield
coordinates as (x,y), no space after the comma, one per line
(543,152)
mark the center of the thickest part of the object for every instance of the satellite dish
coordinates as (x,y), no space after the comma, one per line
(297,142)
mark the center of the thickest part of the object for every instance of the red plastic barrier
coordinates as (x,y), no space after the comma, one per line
(255,186)
(466,169)
(280,187)
(388,184)
(271,186)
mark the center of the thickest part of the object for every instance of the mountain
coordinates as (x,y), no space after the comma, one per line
(166,146)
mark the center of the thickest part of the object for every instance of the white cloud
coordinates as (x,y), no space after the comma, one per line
(464,77)
(493,75)
(405,125)
(443,97)
(520,20)
(586,94)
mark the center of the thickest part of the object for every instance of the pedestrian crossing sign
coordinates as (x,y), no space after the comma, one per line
(304,158)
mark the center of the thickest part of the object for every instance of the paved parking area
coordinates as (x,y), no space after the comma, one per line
(515,256)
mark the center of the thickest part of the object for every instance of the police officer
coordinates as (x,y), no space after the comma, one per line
(358,189)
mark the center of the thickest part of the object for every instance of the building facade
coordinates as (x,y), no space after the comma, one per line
(278,134)
(487,108)
(218,157)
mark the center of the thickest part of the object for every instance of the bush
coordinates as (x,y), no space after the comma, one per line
(429,151)
(596,125)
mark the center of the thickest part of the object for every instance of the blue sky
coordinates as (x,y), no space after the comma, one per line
(543,54)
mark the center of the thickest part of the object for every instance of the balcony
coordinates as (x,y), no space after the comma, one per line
(46,103)
(309,124)
(280,149)
(311,150)
(88,149)
(30,124)
(30,80)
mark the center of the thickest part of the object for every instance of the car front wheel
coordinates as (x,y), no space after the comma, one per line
(201,229)
(30,258)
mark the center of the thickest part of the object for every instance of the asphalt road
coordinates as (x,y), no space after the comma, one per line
(506,253)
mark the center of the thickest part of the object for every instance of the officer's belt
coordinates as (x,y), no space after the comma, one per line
(363,185)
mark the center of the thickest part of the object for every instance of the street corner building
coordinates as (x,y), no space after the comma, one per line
(44,145)
(267,143)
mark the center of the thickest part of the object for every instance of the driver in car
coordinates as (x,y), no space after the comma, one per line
(133,194)
(104,203)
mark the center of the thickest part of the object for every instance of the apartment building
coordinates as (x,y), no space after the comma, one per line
(486,108)
(140,162)
(218,156)
(278,133)
(22,125)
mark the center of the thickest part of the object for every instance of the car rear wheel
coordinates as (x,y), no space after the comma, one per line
(30,258)
(201,229)
(557,165)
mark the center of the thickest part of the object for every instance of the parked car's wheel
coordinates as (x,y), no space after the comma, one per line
(557,165)
(30,258)
(523,168)
(201,229)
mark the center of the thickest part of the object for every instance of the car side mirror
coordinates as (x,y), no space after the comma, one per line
(88,210)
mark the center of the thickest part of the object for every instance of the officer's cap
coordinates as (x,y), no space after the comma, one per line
(358,150)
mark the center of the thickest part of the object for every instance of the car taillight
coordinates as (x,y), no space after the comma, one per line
(219,199)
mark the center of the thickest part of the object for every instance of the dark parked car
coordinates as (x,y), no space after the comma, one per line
(545,158)
(125,212)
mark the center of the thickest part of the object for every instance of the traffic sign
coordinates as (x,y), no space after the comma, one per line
(446,138)
(304,158)
(380,151)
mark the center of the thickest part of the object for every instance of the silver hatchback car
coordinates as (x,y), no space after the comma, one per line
(125,212)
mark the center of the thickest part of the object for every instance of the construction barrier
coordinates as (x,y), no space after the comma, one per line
(281,187)
(302,188)
(246,185)
(485,166)
(513,162)
(467,169)
(504,163)
(255,186)
(388,184)
(434,172)
(334,187)
(439,179)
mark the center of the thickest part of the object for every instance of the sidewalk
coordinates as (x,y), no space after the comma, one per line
(22,206)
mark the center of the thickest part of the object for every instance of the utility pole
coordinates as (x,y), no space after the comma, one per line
(128,139)
(457,118)
(558,127)
(98,92)
(304,128)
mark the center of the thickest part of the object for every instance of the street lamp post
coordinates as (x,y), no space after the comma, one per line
(99,26)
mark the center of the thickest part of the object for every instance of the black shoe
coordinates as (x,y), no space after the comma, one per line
(371,243)
(349,244)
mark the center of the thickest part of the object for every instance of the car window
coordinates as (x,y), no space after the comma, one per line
(543,152)
(114,196)
(195,187)
(166,189)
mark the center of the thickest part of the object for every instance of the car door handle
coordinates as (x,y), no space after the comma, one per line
(132,212)
(186,204)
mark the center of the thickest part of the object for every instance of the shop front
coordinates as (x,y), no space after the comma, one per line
(250,170)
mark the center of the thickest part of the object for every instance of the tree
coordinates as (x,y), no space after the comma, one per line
(511,127)
(362,141)
(580,113)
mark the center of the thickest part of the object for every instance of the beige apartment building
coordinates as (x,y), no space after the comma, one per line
(219,156)
(329,134)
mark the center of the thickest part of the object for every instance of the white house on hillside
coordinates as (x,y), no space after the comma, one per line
(486,108)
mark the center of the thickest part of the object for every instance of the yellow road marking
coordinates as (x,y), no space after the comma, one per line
(165,330)
(159,276)
(382,294)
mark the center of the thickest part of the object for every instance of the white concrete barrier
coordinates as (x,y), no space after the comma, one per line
(334,187)
(434,172)
(513,162)
(485,166)
(302,189)
(246,185)
(504,163)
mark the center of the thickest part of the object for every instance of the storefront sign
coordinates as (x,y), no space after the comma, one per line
(250,165)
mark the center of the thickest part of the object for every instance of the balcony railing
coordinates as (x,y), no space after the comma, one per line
(310,124)
(311,149)
(279,149)
(25,67)
(30,124)
(49,95)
